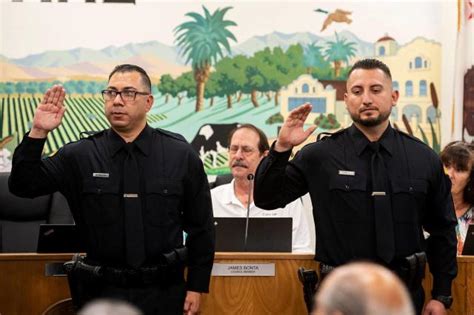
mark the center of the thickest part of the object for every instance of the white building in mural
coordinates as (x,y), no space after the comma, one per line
(414,66)
(306,89)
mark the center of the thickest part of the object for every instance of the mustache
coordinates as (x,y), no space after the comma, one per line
(367,108)
(239,163)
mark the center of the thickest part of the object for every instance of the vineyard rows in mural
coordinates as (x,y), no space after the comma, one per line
(85,114)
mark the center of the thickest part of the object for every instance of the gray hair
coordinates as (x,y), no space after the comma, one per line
(109,307)
(364,289)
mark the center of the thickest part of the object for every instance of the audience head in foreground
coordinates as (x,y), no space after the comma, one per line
(109,307)
(362,289)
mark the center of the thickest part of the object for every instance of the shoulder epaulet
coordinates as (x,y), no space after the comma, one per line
(325,135)
(405,134)
(173,135)
(89,133)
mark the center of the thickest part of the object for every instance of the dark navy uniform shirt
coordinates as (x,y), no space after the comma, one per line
(336,173)
(174,193)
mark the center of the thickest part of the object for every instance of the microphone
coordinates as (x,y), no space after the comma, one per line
(250,179)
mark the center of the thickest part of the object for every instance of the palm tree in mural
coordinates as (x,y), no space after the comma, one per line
(313,57)
(202,42)
(339,51)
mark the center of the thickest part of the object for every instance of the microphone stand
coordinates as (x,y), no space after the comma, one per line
(250,179)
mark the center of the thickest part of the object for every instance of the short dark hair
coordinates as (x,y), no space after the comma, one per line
(460,155)
(133,68)
(369,64)
(263,140)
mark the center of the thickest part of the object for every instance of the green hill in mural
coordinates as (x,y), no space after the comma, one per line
(85,113)
(184,120)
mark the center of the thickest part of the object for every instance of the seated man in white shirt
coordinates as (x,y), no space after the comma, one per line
(247,146)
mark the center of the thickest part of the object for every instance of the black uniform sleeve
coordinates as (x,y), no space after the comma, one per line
(441,222)
(199,225)
(277,181)
(29,176)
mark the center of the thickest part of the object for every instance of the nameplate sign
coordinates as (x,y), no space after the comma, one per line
(243,270)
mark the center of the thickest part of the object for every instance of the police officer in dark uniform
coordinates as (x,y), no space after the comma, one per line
(133,191)
(374,189)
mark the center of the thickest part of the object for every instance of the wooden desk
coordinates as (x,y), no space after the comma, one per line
(281,294)
(25,290)
(462,289)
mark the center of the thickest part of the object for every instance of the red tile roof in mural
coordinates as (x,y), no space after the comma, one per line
(386,37)
(340,87)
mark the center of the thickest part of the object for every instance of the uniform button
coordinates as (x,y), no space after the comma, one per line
(410,189)
(347,187)
(99,190)
(165,191)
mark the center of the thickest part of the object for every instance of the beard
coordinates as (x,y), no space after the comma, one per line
(371,121)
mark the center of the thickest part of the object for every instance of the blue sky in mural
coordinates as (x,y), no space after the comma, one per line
(58,26)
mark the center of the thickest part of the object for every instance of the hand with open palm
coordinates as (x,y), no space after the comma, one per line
(49,113)
(292,132)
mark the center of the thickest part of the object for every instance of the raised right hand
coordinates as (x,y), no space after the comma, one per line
(292,133)
(49,113)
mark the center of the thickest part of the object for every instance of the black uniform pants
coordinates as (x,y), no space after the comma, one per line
(150,299)
(418,299)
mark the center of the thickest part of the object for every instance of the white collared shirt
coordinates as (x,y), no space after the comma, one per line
(226,204)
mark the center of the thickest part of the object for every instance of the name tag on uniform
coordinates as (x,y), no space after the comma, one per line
(100,175)
(130,195)
(347,173)
(378,193)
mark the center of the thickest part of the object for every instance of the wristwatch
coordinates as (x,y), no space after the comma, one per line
(447,300)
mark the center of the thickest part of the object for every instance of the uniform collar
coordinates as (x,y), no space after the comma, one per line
(142,142)
(360,140)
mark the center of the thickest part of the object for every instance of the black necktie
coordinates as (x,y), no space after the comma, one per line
(385,242)
(134,238)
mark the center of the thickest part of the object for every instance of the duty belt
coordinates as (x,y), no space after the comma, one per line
(161,275)
(410,269)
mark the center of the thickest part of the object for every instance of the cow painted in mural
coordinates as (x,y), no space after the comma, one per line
(212,140)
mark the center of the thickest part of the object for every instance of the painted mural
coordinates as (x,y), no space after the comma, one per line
(217,64)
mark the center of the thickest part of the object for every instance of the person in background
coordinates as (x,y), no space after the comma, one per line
(362,288)
(247,146)
(458,158)
(132,190)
